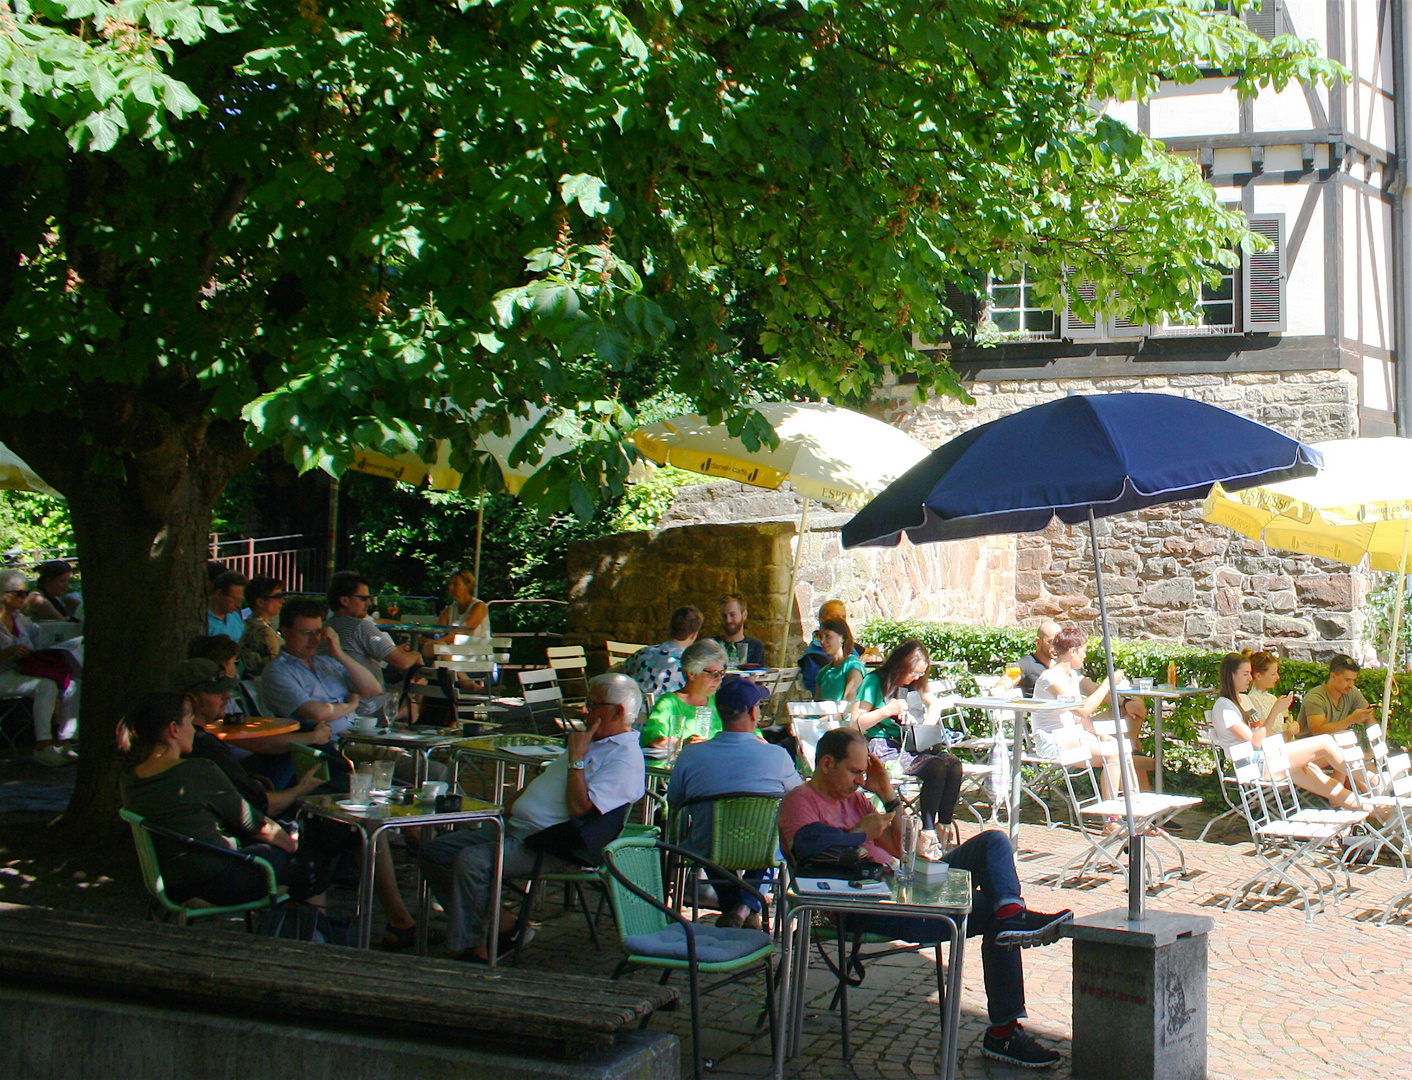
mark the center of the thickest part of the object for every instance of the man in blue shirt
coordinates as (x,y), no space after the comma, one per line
(300,683)
(223,607)
(736,762)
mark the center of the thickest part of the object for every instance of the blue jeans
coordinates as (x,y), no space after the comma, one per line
(991,861)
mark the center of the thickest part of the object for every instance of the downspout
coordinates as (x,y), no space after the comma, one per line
(1401,233)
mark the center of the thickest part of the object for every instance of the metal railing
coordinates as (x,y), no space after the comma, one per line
(299,567)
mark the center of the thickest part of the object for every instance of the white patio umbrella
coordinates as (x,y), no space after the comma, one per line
(1359,506)
(826,452)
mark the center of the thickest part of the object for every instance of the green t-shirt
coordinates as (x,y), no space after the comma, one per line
(833,680)
(675,719)
(870,693)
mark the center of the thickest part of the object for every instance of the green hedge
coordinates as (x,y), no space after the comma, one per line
(986,650)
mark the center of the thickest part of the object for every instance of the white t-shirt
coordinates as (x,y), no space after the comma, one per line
(613,768)
(1223,714)
(1056,682)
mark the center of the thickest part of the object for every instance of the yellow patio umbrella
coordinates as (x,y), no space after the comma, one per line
(439,475)
(16,475)
(1358,506)
(826,452)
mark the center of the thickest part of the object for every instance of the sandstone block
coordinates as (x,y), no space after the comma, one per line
(1330,591)
(1165,624)
(1282,627)
(1027,585)
(1035,558)
(1170,592)
(1331,625)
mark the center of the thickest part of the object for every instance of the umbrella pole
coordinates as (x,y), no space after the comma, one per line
(1137,890)
(782,660)
(480,522)
(1392,649)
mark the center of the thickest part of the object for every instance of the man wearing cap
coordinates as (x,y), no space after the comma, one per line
(736,762)
(208,688)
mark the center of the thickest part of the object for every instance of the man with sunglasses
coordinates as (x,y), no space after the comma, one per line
(349,601)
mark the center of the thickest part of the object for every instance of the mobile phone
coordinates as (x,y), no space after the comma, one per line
(856,884)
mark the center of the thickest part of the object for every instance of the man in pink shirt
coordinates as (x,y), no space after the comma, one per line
(831,810)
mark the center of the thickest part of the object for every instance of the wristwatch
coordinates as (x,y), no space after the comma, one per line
(576,764)
(888,807)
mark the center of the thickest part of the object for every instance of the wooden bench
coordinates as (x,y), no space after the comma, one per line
(319,987)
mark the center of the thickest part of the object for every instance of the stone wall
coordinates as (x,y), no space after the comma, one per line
(625,587)
(1167,573)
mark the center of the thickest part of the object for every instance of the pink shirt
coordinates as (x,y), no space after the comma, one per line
(804,805)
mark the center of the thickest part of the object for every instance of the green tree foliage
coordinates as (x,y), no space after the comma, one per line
(225,226)
(34,522)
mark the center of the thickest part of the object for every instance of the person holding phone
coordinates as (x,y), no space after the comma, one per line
(1337,704)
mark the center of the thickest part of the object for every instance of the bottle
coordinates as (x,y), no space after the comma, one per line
(1172,673)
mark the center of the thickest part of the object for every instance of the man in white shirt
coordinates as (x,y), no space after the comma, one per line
(601,770)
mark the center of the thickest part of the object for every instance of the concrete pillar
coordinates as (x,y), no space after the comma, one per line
(1140,996)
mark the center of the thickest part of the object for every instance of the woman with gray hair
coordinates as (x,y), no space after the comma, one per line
(688,715)
(53,694)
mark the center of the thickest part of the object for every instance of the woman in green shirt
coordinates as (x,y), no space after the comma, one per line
(688,715)
(880,705)
(840,679)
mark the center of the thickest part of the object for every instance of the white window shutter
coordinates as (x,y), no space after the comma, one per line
(1070,325)
(1119,327)
(1263,278)
(1264,23)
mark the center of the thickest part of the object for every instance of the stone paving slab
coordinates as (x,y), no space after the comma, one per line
(1331,999)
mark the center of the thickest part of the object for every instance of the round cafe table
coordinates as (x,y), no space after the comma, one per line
(252,727)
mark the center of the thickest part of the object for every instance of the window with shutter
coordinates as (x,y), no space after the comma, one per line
(1264,21)
(1075,328)
(1263,278)
(1015,309)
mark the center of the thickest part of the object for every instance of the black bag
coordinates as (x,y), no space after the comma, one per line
(580,840)
(847,863)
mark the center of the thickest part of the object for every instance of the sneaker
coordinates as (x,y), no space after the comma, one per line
(51,757)
(1019,1048)
(928,846)
(508,940)
(72,754)
(752,921)
(1031,928)
(731,921)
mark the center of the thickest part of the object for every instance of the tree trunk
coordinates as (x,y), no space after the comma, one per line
(142,529)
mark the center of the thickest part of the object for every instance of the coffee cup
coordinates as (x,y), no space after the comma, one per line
(366,725)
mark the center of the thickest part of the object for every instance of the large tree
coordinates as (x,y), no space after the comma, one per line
(230,225)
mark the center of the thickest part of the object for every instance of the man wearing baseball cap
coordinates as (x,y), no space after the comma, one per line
(736,762)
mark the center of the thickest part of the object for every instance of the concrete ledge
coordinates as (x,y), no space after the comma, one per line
(52,1036)
(1157,929)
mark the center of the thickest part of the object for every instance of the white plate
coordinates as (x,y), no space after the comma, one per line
(349,804)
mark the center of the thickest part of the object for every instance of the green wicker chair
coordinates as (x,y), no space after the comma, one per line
(143,832)
(744,833)
(657,936)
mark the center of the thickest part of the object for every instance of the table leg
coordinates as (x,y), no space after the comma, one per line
(365,887)
(1157,745)
(784,987)
(1016,752)
(496,887)
(951,998)
(997,735)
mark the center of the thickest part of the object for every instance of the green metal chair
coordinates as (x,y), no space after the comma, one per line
(657,936)
(143,832)
(744,834)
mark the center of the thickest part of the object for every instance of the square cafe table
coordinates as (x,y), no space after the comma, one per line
(386,816)
(1160,694)
(1022,708)
(419,744)
(947,900)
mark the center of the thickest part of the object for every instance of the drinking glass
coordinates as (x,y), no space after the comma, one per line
(911,832)
(360,786)
(1013,673)
(382,776)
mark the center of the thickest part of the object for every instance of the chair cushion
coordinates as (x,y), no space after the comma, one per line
(714,945)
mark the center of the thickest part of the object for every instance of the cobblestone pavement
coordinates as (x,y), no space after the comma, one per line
(1332,998)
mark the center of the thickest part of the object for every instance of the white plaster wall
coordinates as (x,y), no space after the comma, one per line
(1282,110)
(1126,111)
(1368,45)
(1284,159)
(1309,18)
(1367,255)
(1208,107)
(1376,384)
(1304,282)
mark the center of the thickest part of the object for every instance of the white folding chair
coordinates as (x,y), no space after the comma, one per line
(1226,780)
(544,698)
(1103,820)
(1288,839)
(810,719)
(618,651)
(478,659)
(571,664)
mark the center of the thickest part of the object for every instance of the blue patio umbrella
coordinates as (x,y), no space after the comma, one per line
(1079,458)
